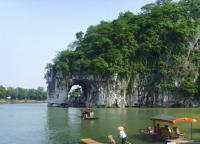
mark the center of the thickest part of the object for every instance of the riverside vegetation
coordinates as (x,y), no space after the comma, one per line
(21,94)
(160,45)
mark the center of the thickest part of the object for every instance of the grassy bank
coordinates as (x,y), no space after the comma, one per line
(3,101)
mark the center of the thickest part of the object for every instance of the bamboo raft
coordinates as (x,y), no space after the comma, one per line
(90,118)
(90,141)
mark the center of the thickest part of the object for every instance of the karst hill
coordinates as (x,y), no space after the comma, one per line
(147,59)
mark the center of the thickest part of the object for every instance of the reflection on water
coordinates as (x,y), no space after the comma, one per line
(63,125)
(23,124)
(38,124)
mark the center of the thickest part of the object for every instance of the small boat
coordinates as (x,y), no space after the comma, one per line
(88,114)
(166,133)
(89,141)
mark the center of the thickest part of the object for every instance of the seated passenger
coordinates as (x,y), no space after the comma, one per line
(166,132)
(157,129)
(111,139)
(92,114)
(177,132)
(149,130)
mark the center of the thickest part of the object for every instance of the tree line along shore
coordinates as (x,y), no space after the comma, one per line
(22,95)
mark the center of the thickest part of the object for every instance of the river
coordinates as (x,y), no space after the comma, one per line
(39,124)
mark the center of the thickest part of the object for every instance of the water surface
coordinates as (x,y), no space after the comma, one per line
(38,124)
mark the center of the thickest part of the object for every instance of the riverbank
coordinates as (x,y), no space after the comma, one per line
(3,101)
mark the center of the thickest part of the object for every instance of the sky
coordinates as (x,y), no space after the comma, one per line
(32,32)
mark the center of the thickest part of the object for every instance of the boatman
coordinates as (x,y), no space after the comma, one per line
(122,134)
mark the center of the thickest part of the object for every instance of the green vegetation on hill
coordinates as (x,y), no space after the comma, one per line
(160,44)
(22,93)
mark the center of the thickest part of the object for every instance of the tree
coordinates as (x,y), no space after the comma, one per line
(75,93)
(21,93)
(12,92)
(189,89)
(197,95)
(2,92)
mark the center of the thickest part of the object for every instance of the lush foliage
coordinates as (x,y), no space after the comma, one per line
(158,44)
(75,93)
(189,88)
(22,93)
(2,92)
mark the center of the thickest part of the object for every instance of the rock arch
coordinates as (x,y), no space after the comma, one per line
(112,91)
(97,91)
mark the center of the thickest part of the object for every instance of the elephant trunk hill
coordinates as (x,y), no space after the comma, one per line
(148,59)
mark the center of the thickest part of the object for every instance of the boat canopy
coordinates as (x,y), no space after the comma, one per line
(172,119)
(88,110)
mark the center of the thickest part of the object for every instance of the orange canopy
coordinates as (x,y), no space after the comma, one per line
(172,119)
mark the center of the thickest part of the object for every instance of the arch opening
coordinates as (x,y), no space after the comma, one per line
(75,92)
(78,94)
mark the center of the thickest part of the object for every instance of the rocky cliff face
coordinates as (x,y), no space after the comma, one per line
(108,92)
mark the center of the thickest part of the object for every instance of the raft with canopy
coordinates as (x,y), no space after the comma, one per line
(173,120)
